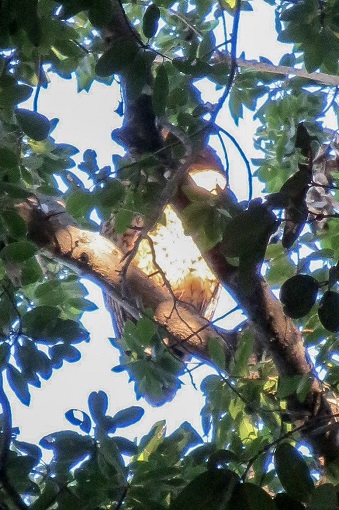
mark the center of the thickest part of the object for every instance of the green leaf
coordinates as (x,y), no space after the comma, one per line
(117,58)
(123,220)
(288,385)
(293,472)
(18,251)
(248,496)
(150,21)
(8,158)
(36,322)
(49,493)
(110,452)
(13,93)
(207,45)
(18,384)
(15,225)
(160,91)
(33,124)
(112,193)
(150,442)
(216,351)
(207,491)
(82,304)
(80,203)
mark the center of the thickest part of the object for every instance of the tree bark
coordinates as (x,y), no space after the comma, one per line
(276,332)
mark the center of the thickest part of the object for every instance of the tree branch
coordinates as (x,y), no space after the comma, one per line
(98,259)
(325,79)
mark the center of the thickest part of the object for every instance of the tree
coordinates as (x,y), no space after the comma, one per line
(266,396)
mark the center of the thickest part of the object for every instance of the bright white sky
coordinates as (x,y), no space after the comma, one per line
(86,121)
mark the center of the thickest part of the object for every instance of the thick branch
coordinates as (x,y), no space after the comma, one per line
(97,258)
(286,71)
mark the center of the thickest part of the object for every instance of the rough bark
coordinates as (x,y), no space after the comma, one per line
(276,332)
(97,258)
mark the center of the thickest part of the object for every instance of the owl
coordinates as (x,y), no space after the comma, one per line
(169,248)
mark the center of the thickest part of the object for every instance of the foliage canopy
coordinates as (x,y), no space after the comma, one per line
(265,397)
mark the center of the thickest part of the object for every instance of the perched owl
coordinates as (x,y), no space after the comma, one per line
(177,255)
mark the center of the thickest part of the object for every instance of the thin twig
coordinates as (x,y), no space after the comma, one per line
(244,157)
(233,57)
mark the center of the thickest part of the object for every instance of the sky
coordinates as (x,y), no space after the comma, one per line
(86,121)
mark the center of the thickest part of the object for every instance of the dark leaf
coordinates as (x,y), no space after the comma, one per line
(116,58)
(18,251)
(84,422)
(33,124)
(150,21)
(328,311)
(298,295)
(18,384)
(293,472)
(207,491)
(98,405)
(248,496)
(160,91)
(100,12)
(127,417)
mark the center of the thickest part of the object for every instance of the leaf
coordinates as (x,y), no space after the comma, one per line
(288,385)
(328,311)
(293,472)
(216,351)
(15,225)
(49,493)
(125,446)
(84,422)
(82,304)
(150,442)
(249,231)
(5,352)
(66,330)
(68,447)
(36,321)
(33,124)
(110,452)
(123,220)
(18,384)
(127,417)
(116,58)
(13,93)
(98,405)
(207,491)
(111,194)
(298,295)
(18,251)
(59,353)
(100,12)
(324,497)
(284,501)
(150,21)
(160,91)
(248,496)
